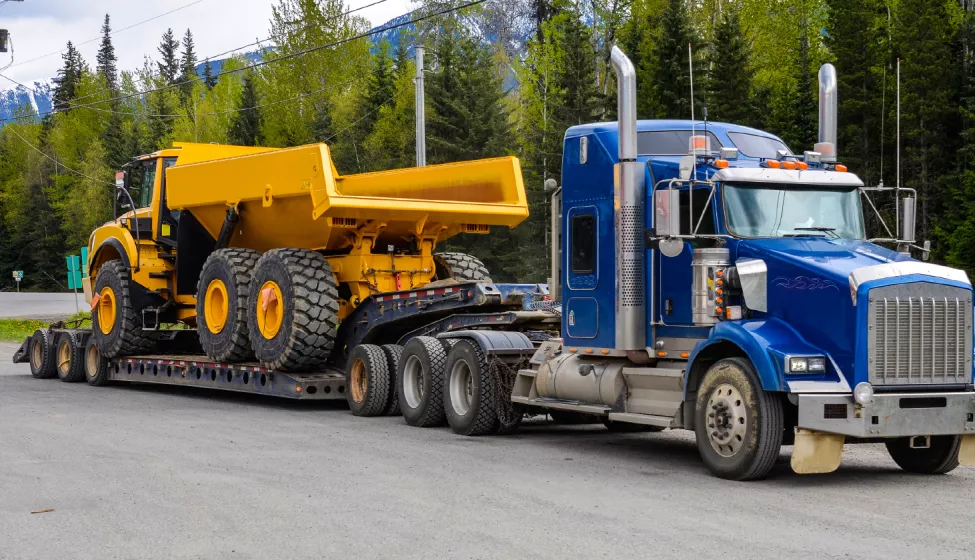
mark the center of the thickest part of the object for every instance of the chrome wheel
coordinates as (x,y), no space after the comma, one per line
(413,381)
(727,420)
(461,387)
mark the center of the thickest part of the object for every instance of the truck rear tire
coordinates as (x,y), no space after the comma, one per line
(292,315)
(421,382)
(116,325)
(469,399)
(738,425)
(96,366)
(393,353)
(221,304)
(459,266)
(940,458)
(42,361)
(367,381)
(70,357)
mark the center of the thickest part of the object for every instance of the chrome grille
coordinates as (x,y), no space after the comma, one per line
(920,333)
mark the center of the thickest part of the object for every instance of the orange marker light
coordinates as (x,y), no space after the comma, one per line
(773,163)
(719,282)
(719,301)
(661,354)
(719,291)
(788,165)
(719,310)
(719,273)
(802,166)
(588,350)
(841,168)
(721,163)
(605,352)
(298,389)
(573,350)
(684,355)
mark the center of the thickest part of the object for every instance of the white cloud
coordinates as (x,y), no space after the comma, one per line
(39,27)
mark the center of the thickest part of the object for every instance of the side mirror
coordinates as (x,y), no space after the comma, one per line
(666,215)
(926,251)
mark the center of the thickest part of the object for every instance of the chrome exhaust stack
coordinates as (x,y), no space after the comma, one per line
(630,187)
(828,115)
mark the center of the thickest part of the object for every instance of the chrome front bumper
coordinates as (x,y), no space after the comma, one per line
(890,414)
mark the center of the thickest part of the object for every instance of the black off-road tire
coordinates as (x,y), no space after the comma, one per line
(629,428)
(126,336)
(420,382)
(479,416)
(755,454)
(43,364)
(940,458)
(393,353)
(70,357)
(367,381)
(310,310)
(233,267)
(459,266)
(96,366)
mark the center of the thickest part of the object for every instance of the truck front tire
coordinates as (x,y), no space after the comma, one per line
(292,311)
(738,425)
(367,380)
(469,399)
(420,382)
(940,458)
(221,304)
(116,324)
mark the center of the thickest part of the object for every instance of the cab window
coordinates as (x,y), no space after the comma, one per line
(142,183)
(583,237)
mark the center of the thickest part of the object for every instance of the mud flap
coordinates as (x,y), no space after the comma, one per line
(22,353)
(966,455)
(816,452)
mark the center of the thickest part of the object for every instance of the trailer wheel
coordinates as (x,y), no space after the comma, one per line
(460,266)
(116,325)
(940,458)
(393,353)
(292,310)
(421,382)
(221,304)
(96,366)
(70,357)
(469,399)
(367,380)
(42,361)
(738,425)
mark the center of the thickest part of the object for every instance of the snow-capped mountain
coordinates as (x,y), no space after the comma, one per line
(37,97)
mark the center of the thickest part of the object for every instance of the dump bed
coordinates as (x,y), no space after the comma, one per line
(294,197)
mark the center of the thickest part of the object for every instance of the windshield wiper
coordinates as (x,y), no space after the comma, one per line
(831,231)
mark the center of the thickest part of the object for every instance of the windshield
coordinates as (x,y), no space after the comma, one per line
(772,210)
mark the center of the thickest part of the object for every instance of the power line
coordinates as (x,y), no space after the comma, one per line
(56,162)
(280,58)
(113,33)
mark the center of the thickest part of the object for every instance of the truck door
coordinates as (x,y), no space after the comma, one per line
(674,274)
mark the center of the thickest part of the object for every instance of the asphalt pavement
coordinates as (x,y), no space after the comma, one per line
(157,472)
(46,307)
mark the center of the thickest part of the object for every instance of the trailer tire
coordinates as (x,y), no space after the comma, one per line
(421,382)
(96,366)
(42,361)
(222,292)
(469,399)
(940,458)
(393,353)
(738,425)
(300,287)
(367,381)
(70,357)
(123,322)
(460,266)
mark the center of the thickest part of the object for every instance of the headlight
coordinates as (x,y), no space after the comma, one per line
(807,364)
(863,393)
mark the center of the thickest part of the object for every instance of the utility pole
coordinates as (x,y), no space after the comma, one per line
(421,129)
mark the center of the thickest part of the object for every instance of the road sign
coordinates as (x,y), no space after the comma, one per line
(18,276)
(74,271)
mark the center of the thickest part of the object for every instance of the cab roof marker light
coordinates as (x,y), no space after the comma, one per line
(699,145)
(729,154)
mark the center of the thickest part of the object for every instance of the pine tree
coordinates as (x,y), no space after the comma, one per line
(380,89)
(580,98)
(169,65)
(731,77)
(107,62)
(209,80)
(188,65)
(672,71)
(401,54)
(68,77)
(245,128)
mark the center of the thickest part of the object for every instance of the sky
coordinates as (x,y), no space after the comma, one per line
(40,27)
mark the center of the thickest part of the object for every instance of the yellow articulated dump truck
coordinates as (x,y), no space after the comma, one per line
(294,280)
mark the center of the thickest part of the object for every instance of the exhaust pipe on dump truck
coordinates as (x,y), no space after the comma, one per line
(827,113)
(631,311)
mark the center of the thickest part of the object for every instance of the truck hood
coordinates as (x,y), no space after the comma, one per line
(817,258)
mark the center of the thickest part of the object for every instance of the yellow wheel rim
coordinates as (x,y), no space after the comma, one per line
(64,357)
(216,307)
(107,308)
(37,354)
(270,309)
(360,381)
